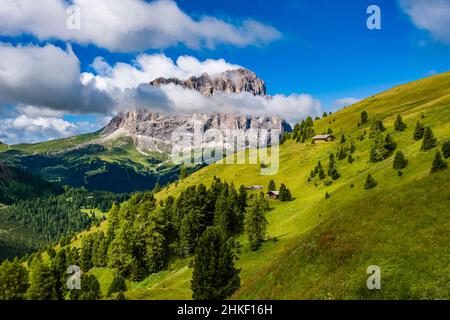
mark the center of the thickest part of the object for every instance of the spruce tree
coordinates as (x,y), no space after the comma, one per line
(117,285)
(446,149)
(215,276)
(41,281)
(439,163)
(400,162)
(399,125)
(256,224)
(429,141)
(370,182)
(90,289)
(389,145)
(364,117)
(13,280)
(419,131)
(272,186)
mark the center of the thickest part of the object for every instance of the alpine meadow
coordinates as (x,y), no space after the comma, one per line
(224,158)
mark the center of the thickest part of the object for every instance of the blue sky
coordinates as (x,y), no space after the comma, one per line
(320,48)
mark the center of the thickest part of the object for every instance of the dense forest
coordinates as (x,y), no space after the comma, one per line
(30,224)
(16,184)
(142,236)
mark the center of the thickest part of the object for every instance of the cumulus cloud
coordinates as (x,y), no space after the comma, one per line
(45,83)
(149,67)
(107,24)
(344,102)
(124,82)
(32,124)
(47,77)
(430,15)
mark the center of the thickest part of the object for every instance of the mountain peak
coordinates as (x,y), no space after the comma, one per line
(230,81)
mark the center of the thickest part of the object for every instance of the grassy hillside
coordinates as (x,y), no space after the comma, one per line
(83,161)
(320,248)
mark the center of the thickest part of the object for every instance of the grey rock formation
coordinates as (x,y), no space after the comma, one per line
(157,132)
(232,81)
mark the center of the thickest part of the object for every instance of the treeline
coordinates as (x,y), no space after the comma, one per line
(16,185)
(142,235)
(31,224)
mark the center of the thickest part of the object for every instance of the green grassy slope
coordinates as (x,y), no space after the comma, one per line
(324,247)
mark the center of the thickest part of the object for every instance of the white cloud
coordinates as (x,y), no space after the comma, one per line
(127,84)
(149,67)
(30,124)
(344,102)
(47,77)
(31,78)
(430,15)
(107,24)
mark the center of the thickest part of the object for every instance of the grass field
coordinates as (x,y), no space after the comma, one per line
(321,247)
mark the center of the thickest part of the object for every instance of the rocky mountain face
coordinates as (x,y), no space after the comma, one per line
(158,132)
(232,81)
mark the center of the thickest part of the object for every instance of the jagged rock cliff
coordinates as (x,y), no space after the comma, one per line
(156,132)
(232,81)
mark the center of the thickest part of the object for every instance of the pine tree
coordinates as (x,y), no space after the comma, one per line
(364,117)
(215,276)
(446,149)
(400,162)
(41,281)
(343,139)
(399,125)
(13,280)
(285,195)
(370,182)
(325,115)
(389,145)
(419,131)
(256,224)
(429,141)
(117,285)
(439,163)
(272,186)
(90,289)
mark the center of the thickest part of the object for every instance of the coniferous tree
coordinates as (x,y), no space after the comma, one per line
(370,182)
(327,195)
(256,223)
(272,186)
(438,163)
(429,141)
(364,117)
(13,280)
(343,139)
(41,281)
(117,285)
(400,162)
(215,276)
(399,125)
(90,289)
(419,131)
(446,149)
(285,193)
(389,145)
